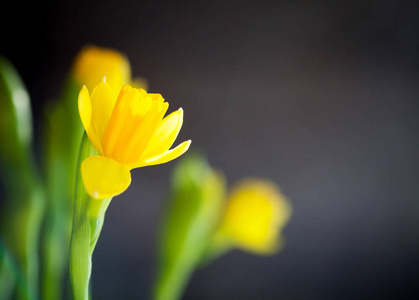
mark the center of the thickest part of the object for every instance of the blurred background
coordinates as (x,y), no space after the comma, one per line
(319,96)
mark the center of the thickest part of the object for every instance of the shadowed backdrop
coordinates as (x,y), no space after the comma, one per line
(319,96)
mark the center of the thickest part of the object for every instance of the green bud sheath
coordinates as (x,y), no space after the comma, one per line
(193,210)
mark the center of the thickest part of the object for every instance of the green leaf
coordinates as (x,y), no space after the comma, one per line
(10,274)
(23,209)
(15,115)
(63,132)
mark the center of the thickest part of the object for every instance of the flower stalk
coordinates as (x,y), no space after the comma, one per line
(88,219)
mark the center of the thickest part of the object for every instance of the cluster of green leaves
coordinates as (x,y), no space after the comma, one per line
(36,206)
(21,213)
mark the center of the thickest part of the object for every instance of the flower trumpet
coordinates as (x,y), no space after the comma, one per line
(127,131)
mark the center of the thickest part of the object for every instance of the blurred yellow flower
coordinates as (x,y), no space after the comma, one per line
(128,131)
(255,214)
(93,63)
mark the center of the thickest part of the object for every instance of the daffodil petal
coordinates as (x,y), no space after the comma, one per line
(103,101)
(85,111)
(121,121)
(104,177)
(165,157)
(85,107)
(165,135)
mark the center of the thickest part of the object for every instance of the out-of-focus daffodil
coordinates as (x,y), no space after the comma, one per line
(202,222)
(254,215)
(93,63)
(128,131)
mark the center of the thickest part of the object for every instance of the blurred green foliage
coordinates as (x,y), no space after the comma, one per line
(22,210)
(63,132)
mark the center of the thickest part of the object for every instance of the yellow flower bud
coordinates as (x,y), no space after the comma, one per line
(93,63)
(255,214)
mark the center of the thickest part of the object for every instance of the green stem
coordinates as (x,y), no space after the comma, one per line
(172,283)
(88,220)
(218,245)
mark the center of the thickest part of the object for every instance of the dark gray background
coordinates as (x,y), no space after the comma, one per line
(320,96)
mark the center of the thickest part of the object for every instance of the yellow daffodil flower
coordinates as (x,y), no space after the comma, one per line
(93,63)
(128,131)
(254,216)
